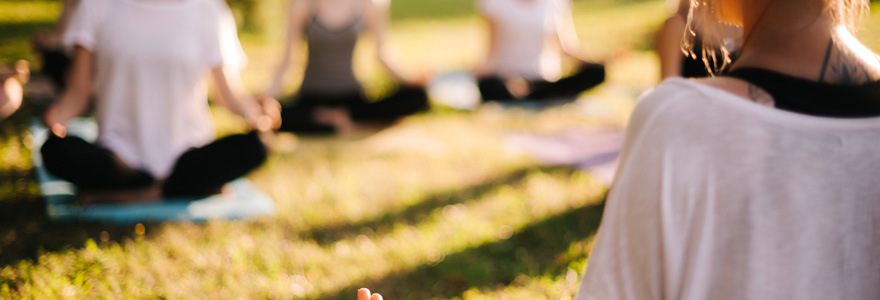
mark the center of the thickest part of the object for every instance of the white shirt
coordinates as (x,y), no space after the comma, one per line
(720,198)
(522,28)
(151,61)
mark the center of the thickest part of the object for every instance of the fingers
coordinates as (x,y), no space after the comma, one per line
(263,124)
(59,130)
(22,71)
(272,109)
(364,294)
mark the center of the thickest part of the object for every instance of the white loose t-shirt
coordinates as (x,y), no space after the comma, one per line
(151,61)
(717,197)
(522,28)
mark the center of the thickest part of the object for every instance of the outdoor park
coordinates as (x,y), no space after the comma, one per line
(440,205)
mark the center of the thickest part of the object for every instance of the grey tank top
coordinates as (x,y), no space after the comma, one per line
(329,66)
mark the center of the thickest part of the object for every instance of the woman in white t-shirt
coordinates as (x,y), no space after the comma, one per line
(526,40)
(757,184)
(147,61)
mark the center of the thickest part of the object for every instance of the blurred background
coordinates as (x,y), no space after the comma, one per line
(437,206)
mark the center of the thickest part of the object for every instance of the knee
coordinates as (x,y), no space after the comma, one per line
(55,149)
(593,70)
(254,148)
(416,94)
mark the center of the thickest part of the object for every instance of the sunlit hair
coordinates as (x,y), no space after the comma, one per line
(715,36)
(850,12)
(719,41)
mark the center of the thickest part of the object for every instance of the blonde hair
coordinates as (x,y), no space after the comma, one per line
(715,37)
(719,41)
(850,12)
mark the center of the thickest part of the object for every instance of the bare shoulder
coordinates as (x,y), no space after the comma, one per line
(298,11)
(674,24)
(295,6)
(379,5)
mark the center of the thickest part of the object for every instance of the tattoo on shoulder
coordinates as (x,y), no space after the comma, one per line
(760,96)
(843,69)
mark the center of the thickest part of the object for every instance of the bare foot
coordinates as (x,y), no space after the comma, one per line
(152,193)
(227,192)
(336,117)
(519,87)
(363,129)
(364,294)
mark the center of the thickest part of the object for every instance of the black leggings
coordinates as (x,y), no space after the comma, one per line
(198,172)
(588,76)
(300,117)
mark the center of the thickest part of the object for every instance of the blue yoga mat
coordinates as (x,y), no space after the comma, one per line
(60,195)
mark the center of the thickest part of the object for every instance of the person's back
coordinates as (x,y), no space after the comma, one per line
(758,184)
(728,199)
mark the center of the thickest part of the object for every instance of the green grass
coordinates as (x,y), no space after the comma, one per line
(431,208)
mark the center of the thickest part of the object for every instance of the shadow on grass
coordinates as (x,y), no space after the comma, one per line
(25,230)
(415,213)
(537,250)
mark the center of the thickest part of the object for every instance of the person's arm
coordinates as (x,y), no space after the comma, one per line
(377,20)
(668,46)
(297,14)
(52,40)
(262,115)
(566,34)
(75,99)
(485,67)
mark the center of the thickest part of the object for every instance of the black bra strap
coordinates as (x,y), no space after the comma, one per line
(814,98)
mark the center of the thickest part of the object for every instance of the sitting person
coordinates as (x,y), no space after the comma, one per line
(331,99)
(11,91)
(759,184)
(147,61)
(674,62)
(524,61)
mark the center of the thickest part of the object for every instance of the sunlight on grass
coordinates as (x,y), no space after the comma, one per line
(28,11)
(433,208)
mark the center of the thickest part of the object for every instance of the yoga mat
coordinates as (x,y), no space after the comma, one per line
(596,151)
(248,201)
(458,90)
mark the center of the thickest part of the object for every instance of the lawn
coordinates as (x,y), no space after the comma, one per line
(434,207)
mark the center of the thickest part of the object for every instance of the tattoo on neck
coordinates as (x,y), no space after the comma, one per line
(825,62)
(843,68)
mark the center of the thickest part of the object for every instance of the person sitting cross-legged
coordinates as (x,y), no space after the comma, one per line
(526,41)
(147,61)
